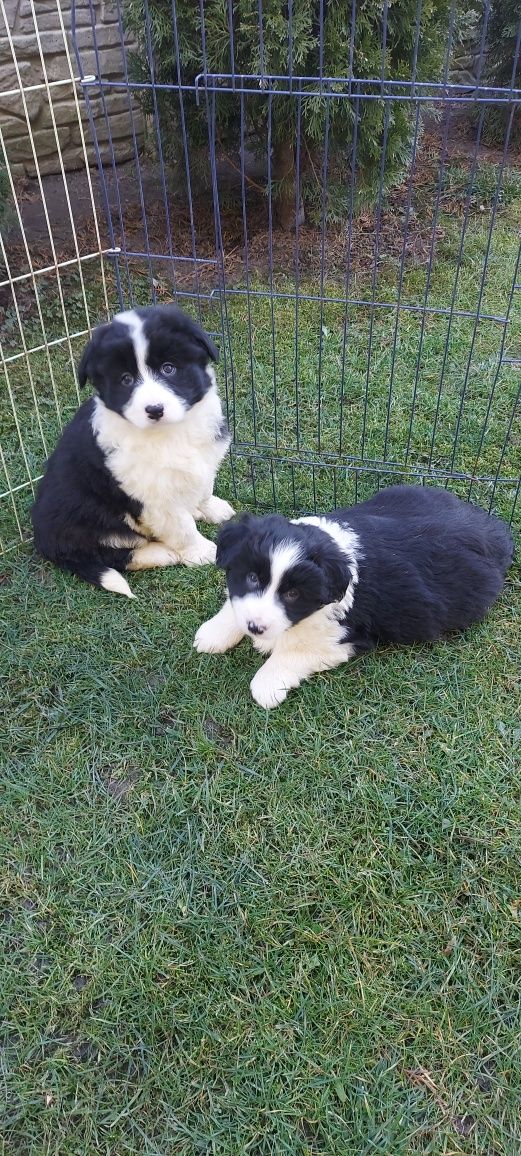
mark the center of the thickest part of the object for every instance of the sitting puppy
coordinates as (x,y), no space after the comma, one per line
(409,565)
(136,465)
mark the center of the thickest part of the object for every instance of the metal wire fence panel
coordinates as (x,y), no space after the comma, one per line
(52,280)
(350,239)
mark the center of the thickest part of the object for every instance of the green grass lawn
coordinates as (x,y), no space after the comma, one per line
(236,932)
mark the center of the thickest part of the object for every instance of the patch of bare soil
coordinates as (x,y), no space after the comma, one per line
(193,249)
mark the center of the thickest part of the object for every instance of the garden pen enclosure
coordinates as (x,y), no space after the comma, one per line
(334,191)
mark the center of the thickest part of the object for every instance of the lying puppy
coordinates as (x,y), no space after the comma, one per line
(409,565)
(136,465)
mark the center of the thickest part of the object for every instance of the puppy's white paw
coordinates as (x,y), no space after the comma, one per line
(200,553)
(269,687)
(216,510)
(210,638)
(219,633)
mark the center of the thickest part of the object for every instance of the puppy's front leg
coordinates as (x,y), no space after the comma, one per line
(270,685)
(179,533)
(292,662)
(215,510)
(220,633)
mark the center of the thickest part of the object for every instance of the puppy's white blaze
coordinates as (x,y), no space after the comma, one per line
(134,323)
(263,607)
(282,558)
(150,391)
(114,581)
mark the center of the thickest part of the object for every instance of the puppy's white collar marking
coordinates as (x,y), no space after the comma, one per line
(345,538)
(347,541)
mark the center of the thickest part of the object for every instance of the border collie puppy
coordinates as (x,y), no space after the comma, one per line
(409,565)
(136,466)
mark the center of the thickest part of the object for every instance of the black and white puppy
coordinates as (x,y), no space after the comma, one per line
(409,565)
(136,465)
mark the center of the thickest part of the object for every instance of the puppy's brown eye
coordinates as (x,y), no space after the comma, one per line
(290,595)
(253,581)
(127,380)
(168,369)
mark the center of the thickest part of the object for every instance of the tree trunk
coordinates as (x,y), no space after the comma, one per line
(283,176)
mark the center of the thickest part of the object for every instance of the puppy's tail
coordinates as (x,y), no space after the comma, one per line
(99,575)
(112,580)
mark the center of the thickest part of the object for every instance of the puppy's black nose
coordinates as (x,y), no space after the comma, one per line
(254,629)
(155,411)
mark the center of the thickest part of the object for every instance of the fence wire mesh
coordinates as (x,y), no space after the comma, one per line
(350,240)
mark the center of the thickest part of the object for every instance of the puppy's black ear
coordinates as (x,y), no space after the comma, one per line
(230,538)
(208,344)
(336,570)
(85,365)
(202,338)
(185,324)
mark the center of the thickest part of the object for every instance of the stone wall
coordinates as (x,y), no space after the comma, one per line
(115,112)
(115,116)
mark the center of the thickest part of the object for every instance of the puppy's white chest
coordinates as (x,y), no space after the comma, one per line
(157,468)
(163,473)
(167,465)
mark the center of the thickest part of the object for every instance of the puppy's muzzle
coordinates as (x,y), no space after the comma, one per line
(155,412)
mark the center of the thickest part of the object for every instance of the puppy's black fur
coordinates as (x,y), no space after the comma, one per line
(171,336)
(428,564)
(322,576)
(80,505)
